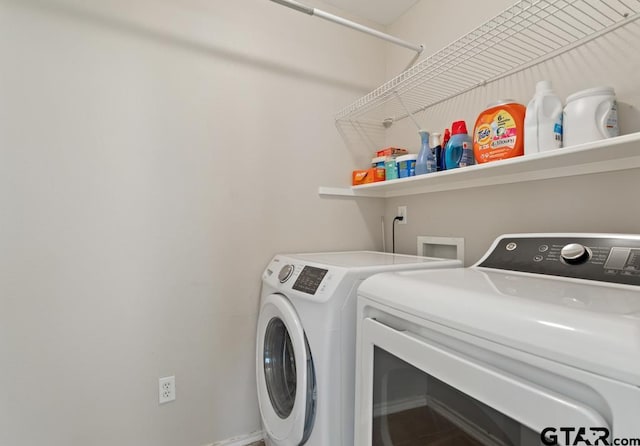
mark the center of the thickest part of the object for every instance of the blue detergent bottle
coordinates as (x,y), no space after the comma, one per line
(426,161)
(459,149)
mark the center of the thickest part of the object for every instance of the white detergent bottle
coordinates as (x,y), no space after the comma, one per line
(543,120)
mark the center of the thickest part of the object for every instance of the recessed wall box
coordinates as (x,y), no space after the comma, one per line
(443,247)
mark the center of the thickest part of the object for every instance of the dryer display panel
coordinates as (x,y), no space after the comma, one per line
(309,279)
(615,260)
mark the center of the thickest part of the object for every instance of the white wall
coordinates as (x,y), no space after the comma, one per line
(594,203)
(153,156)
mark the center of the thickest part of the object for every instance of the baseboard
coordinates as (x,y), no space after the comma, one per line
(240,440)
(388,408)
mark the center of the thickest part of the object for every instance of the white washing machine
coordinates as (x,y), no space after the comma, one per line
(305,360)
(536,344)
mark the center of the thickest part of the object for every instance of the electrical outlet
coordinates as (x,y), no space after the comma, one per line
(167,389)
(402,212)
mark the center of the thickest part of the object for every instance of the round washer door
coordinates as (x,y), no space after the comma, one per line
(282,372)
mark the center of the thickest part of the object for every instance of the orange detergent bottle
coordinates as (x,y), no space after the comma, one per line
(499,132)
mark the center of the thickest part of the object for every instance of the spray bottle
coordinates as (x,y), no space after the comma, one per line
(426,162)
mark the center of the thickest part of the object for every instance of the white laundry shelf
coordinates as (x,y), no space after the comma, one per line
(619,153)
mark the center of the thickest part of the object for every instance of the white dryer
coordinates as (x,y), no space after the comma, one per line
(305,361)
(536,344)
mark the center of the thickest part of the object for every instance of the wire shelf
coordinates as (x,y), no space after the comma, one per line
(527,33)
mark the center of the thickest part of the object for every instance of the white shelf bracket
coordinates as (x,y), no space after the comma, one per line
(415,121)
(349,24)
(363,134)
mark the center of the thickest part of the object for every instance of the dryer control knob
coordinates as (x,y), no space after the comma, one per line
(285,273)
(575,253)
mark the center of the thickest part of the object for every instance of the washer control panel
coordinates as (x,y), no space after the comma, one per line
(309,279)
(606,259)
(313,281)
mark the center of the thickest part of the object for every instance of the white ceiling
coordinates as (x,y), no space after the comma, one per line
(384,12)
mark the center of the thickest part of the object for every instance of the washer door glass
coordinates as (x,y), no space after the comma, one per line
(285,373)
(279,368)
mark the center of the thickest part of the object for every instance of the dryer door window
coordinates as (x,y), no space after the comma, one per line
(415,390)
(280,367)
(412,405)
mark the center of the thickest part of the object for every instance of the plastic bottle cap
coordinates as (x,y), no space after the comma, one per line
(543,87)
(436,139)
(379,159)
(458,127)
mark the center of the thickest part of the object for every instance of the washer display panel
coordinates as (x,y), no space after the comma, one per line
(309,279)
